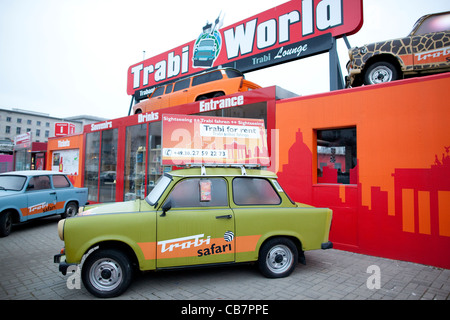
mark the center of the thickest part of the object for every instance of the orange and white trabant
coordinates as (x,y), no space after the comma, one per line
(209,84)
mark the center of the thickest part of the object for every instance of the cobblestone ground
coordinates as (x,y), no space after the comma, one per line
(27,272)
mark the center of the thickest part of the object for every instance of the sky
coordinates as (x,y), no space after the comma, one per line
(70,57)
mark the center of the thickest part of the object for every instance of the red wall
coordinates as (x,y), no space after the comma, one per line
(399,203)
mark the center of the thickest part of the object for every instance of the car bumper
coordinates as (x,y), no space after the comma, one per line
(63,265)
(327,245)
(350,78)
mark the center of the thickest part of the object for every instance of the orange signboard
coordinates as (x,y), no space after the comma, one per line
(213,140)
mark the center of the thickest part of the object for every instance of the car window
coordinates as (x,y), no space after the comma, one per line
(60,181)
(254,191)
(207,77)
(196,192)
(39,183)
(231,73)
(14,183)
(169,88)
(158,190)
(183,84)
(435,24)
(158,92)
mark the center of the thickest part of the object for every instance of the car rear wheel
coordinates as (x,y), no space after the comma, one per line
(70,211)
(106,273)
(278,257)
(380,72)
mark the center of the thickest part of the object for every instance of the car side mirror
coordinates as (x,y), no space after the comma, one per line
(166,207)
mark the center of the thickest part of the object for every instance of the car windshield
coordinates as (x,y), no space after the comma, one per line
(158,190)
(10,182)
(207,43)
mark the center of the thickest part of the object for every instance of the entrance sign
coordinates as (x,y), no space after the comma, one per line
(213,140)
(293,30)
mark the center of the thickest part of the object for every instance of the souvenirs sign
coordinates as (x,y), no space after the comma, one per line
(213,140)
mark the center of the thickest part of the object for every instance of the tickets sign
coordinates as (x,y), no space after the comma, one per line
(213,140)
(293,30)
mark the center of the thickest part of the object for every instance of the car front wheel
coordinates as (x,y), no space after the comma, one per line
(278,258)
(106,273)
(5,224)
(380,72)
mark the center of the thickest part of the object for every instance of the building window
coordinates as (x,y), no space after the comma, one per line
(38,123)
(28,121)
(47,124)
(19,120)
(8,129)
(135,156)
(91,165)
(47,133)
(8,119)
(336,156)
(38,133)
(108,165)
(18,129)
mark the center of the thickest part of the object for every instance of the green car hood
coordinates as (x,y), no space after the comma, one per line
(114,207)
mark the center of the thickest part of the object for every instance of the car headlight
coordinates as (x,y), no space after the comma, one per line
(61,228)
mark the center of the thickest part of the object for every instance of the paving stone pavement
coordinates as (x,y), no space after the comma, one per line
(27,272)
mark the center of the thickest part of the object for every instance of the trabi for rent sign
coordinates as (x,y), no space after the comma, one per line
(213,140)
(293,30)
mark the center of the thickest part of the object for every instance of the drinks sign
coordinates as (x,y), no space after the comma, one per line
(293,30)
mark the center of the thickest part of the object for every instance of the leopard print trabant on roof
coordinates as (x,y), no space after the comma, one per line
(406,53)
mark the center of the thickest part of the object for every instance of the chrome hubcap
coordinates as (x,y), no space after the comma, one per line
(279,259)
(105,274)
(380,74)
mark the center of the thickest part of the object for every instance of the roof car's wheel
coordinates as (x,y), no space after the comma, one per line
(380,72)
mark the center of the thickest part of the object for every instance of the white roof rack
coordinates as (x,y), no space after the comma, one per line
(203,167)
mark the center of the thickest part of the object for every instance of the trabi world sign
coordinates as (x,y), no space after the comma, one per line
(293,30)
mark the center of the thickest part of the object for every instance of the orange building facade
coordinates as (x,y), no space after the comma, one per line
(378,156)
(392,197)
(66,154)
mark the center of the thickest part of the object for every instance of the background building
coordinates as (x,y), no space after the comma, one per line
(24,134)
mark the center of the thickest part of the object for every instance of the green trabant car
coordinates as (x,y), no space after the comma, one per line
(195,216)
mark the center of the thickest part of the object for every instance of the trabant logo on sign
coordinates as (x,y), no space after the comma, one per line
(196,245)
(293,30)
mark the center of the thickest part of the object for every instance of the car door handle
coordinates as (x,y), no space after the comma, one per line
(52,193)
(227,216)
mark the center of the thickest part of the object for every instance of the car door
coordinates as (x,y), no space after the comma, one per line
(180,94)
(41,198)
(158,99)
(64,191)
(199,227)
(431,44)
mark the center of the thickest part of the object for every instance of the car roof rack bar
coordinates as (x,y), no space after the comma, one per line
(203,167)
